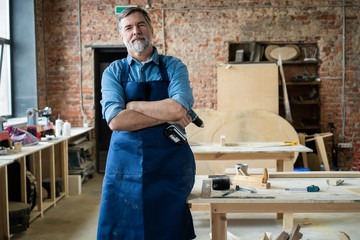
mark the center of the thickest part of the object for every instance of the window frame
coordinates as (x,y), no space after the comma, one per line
(5,61)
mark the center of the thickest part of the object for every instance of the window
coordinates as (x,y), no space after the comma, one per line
(5,80)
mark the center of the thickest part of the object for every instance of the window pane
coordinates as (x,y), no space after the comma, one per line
(5,84)
(4,19)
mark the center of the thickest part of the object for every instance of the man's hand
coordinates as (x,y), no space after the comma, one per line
(183,122)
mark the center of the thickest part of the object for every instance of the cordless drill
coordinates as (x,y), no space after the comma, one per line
(177,134)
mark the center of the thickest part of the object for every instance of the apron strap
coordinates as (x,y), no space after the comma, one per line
(126,69)
(163,72)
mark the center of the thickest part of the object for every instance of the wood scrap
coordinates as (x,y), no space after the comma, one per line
(295,233)
(334,182)
(283,236)
(344,236)
(266,236)
(256,181)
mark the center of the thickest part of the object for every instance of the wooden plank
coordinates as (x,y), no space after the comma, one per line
(248,87)
(285,95)
(283,236)
(295,233)
(320,146)
(249,179)
(295,207)
(316,174)
(200,207)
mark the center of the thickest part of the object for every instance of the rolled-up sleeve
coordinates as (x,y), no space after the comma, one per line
(113,97)
(179,87)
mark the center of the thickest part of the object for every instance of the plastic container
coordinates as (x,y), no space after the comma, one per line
(58,126)
(66,130)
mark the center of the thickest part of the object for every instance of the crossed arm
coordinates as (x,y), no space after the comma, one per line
(143,114)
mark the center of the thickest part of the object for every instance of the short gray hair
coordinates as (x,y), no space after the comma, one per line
(126,12)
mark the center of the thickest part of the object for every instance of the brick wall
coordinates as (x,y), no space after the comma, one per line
(199,32)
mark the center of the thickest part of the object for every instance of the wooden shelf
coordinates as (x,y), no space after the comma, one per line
(45,160)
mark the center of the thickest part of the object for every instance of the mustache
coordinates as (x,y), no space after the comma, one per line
(138,37)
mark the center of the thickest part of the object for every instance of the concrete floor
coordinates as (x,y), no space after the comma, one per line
(75,217)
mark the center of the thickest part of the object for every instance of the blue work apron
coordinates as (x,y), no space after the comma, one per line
(147,178)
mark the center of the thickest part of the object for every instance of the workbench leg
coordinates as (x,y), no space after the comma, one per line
(4,205)
(22,161)
(288,221)
(218,226)
(320,147)
(302,137)
(38,176)
(288,166)
(279,165)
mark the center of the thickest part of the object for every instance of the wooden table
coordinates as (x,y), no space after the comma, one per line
(48,159)
(277,199)
(284,155)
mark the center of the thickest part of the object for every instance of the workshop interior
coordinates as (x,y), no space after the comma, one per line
(275,127)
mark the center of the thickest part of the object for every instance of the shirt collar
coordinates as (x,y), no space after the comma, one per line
(154,57)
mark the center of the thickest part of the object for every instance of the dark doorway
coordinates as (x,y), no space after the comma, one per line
(103,56)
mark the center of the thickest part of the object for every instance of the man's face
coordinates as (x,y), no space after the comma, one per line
(136,32)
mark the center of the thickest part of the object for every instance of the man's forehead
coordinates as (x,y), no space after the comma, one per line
(135,17)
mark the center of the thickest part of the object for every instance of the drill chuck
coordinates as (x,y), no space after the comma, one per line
(195,119)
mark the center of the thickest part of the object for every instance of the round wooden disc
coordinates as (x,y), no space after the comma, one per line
(268,49)
(287,53)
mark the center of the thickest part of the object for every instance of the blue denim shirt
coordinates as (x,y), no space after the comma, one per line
(113,95)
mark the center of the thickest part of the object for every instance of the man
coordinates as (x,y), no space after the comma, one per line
(148,177)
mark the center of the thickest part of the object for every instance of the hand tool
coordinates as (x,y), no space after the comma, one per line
(220,182)
(289,143)
(250,189)
(178,135)
(311,188)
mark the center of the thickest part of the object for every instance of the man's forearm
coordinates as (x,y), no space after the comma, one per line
(128,120)
(167,110)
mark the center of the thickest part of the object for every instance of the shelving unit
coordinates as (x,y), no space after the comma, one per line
(47,159)
(301,75)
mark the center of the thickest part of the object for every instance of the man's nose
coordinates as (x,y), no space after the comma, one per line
(136,31)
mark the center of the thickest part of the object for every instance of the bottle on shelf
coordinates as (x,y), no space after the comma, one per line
(66,130)
(58,126)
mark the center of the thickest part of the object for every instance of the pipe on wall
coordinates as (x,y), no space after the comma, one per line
(80,66)
(343,76)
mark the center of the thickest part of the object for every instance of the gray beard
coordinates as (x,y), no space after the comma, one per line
(138,46)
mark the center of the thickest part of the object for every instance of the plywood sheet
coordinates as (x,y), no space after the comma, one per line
(248,87)
(245,126)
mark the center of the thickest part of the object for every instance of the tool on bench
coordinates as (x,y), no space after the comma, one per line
(175,133)
(289,143)
(250,189)
(255,181)
(311,188)
(220,182)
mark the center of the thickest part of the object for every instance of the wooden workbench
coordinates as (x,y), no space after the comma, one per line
(48,159)
(278,200)
(284,155)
